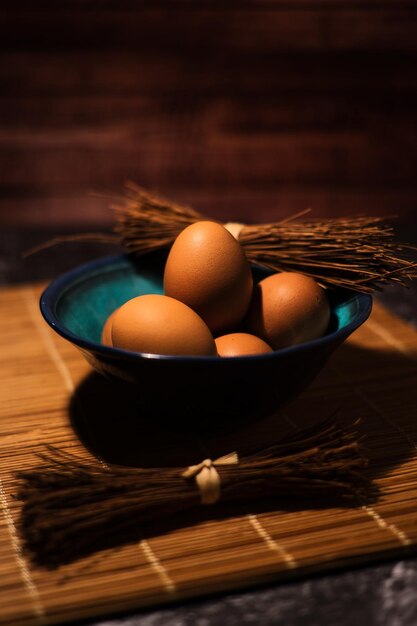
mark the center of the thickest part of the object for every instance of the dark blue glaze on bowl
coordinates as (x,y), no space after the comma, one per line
(77,304)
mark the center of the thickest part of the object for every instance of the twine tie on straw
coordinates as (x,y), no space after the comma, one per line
(234,228)
(207,477)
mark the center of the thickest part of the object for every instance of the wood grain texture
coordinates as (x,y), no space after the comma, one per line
(246,110)
(372,377)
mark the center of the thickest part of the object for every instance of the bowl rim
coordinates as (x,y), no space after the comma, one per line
(58,286)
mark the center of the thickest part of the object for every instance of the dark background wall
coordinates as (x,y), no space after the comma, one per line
(250,110)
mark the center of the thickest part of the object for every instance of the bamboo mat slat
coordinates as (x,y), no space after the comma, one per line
(373,376)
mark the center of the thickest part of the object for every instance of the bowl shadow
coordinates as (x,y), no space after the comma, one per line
(107,418)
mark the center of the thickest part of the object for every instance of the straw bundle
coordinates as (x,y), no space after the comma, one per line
(72,507)
(358,253)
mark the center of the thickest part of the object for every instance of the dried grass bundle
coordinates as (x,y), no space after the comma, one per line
(72,507)
(358,253)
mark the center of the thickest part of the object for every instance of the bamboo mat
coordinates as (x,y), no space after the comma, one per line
(373,376)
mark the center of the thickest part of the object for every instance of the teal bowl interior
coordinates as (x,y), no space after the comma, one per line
(86,304)
(78,303)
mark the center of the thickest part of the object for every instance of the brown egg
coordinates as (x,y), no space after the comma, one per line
(161,325)
(106,332)
(287,309)
(240,344)
(208,270)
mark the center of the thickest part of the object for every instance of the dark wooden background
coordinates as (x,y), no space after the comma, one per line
(250,110)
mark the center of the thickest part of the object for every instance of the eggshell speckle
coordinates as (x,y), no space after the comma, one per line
(161,325)
(240,344)
(208,270)
(287,309)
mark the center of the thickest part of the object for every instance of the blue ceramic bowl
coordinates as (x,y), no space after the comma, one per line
(77,304)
